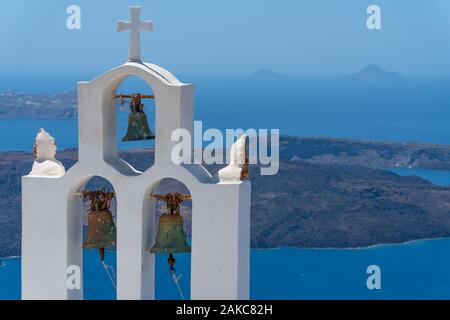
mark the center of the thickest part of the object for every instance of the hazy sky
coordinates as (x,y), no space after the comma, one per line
(320,37)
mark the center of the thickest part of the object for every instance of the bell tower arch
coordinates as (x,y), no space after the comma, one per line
(97,117)
(221,210)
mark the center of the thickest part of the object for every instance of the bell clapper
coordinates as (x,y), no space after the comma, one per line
(171,262)
(101,251)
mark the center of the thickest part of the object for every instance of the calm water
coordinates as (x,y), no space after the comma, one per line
(436,176)
(410,111)
(419,270)
(415,110)
(416,270)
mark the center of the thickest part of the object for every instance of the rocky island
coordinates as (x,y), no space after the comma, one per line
(373,72)
(269,74)
(329,193)
(27,105)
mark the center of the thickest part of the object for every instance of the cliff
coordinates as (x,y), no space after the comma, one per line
(328,193)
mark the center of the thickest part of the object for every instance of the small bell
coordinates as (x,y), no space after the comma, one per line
(101,227)
(138,128)
(171,238)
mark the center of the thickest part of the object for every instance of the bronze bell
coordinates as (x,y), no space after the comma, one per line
(101,227)
(101,230)
(171,238)
(138,128)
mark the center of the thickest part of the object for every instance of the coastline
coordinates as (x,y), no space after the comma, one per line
(37,118)
(3,260)
(375,246)
(362,195)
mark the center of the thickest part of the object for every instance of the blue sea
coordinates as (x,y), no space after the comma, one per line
(407,111)
(438,177)
(416,270)
(411,110)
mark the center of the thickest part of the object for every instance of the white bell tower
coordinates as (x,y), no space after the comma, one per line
(52,219)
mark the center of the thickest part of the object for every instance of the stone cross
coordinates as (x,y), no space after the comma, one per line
(135,26)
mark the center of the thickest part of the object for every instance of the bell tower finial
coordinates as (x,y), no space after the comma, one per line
(135,26)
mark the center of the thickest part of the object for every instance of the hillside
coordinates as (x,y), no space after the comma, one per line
(27,105)
(323,195)
(372,154)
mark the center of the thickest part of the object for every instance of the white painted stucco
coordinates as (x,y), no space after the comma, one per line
(52,217)
(45,163)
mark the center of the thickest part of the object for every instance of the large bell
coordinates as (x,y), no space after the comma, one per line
(101,227)
(171,238)
(101,230)
(138,128)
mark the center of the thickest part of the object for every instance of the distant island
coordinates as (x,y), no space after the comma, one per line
(64,105)
(329,193)
(373,72)
(46,105)
(268,74)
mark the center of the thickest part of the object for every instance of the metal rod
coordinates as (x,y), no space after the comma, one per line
(183,197)
(130,96)
(81,194)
